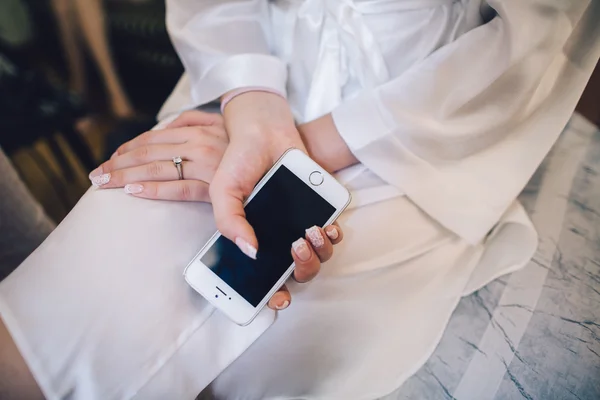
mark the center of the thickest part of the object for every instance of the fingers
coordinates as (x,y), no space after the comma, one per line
(154,171)
(164,136)
(334,233)
(195,118)
(314,249)
(168,136)
(140,156)
(307,262)
(228,208)
(308,254)
(280,300)
(185,190)
(320,243)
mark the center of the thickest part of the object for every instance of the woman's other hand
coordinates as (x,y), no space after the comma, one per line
(144,166)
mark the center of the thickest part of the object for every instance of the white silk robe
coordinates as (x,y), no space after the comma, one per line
(437,102)
(449,106)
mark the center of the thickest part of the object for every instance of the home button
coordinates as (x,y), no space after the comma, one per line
(316,178)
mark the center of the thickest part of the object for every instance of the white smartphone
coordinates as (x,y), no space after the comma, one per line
(293,196)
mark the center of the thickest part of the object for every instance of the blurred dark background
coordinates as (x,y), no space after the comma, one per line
(79,77)
(136,33)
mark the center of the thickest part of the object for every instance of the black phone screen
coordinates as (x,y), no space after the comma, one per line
(279,213)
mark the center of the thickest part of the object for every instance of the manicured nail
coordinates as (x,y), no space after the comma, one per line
(283,305)
(301,249)
(332,233)
(246,248)
(95,173)
(315,237)
(133,188)
(101,180)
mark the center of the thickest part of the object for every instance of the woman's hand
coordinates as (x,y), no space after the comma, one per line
(200,139)
(308,253)
(144,165)
(261,128)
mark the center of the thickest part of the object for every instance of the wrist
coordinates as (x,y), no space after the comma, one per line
(259,111)
(325,145)
(264,118)
(232,94)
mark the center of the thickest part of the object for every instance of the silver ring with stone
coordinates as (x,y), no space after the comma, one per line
(177,162)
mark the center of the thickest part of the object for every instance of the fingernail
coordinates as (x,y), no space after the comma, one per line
(95,173)
(332,233)
(114,155)
(246,248)
(283,305)
(315,237)
(133,188)
(101,180)
(301,249)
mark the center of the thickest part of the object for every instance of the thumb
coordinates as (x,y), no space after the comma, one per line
(228,208)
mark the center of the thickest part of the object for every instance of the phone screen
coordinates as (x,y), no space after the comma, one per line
(279,213)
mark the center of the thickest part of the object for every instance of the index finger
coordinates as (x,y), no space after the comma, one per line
(162,136)
(196,117)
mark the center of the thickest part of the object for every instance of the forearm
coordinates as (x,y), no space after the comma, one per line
(325,145)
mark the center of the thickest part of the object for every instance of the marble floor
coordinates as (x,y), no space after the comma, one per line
(534,334)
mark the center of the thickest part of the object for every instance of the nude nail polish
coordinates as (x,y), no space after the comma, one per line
(301,249)
(101,180)
(246,248)
(332,233)
(315,237)
(95,173)
(133,188)
(283,305)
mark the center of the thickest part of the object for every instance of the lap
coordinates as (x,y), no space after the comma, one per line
(101,304)
(101,309)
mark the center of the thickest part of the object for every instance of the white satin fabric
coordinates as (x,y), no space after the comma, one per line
(429,98)
(449,116)
(453,103)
